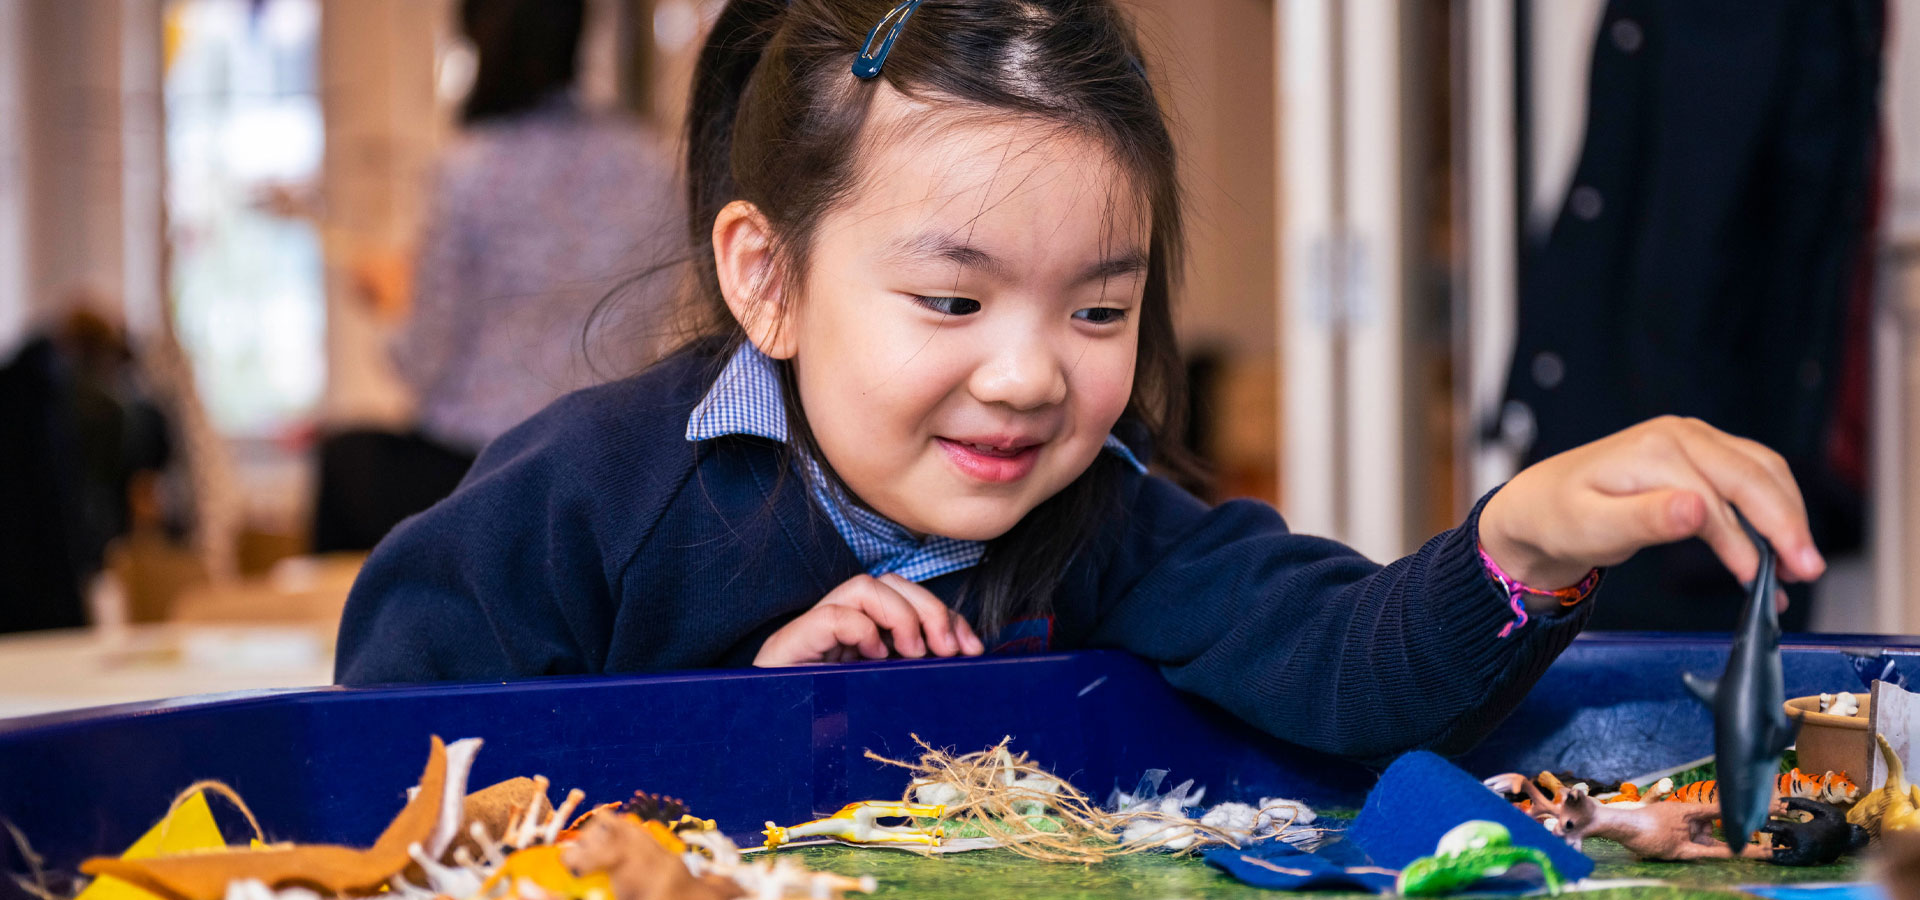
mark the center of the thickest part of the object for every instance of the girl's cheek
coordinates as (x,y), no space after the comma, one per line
(1108,381)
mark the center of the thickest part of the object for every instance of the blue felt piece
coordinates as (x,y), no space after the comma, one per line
(1421,796)
(1880,667)
(1279,867)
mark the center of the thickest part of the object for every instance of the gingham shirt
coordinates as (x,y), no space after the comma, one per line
(746,399)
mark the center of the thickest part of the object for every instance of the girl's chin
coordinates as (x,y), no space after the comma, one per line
(956,521)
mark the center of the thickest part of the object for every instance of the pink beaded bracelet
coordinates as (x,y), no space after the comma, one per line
(1518,591)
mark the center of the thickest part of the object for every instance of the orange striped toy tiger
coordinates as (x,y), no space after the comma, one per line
(1833,787)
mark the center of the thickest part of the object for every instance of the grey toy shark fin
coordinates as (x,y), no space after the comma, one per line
(1784,740)
(1704,688)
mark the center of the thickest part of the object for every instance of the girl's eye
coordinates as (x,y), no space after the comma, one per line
(952,306)
(1101,315)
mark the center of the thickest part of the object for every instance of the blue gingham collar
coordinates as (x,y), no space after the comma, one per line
(747,399)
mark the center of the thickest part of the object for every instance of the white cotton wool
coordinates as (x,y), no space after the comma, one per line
(937,793)
(1235,819)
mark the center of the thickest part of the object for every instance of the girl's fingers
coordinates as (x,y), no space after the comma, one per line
(1671,476)
(1729,541)
(830,632)
(970,643)
(891,611)
(917,620)
(1773,463)
(1651,517)
(852,628)
(936,620)
(1749,483)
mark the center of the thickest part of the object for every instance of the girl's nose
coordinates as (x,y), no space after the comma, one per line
(1023,374)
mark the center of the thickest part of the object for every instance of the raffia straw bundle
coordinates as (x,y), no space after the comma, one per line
(1086,833)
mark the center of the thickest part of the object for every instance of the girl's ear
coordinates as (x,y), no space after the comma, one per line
(743,257)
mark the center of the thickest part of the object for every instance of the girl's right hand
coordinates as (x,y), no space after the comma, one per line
(856,620)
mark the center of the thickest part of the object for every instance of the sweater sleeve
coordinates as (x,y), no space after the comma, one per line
(516,574)
(1314,643)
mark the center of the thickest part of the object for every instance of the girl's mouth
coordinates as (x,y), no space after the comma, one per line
(992,462)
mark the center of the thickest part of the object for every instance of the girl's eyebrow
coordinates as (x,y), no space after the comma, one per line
(1125,264)
(934,245)
(1129,262)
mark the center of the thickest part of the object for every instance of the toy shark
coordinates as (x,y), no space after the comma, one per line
(1750,724)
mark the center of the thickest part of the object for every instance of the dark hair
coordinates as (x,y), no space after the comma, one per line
(774,116)
(528,49)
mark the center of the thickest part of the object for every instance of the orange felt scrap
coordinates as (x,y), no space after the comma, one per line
(542,865)
(328,868)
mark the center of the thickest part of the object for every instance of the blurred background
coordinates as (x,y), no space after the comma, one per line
(272,271)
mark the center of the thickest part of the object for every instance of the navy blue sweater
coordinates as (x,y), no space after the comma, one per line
(596,538)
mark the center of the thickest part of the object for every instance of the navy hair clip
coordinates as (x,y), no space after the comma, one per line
(871,58)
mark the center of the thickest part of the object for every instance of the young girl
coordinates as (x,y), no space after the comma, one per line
(935,350)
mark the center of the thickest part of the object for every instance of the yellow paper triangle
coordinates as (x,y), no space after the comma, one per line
(188,829)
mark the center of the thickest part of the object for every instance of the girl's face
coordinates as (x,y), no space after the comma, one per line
(969,325)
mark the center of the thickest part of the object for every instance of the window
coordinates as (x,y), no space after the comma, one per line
(244,140)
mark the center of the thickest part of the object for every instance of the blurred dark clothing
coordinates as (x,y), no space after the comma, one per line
(79,428)
(119,430)
(1705,257)
(42,531)
(371,480)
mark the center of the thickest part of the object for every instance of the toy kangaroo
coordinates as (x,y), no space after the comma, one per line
(1669,831)
(1750,724)
(1894,806)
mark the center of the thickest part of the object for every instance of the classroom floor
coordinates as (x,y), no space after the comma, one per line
(999,873)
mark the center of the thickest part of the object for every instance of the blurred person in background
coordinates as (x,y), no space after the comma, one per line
(83,445)
(1711,260)
(539,207)
(122,437)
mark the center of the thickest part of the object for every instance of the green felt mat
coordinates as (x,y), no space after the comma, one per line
(1149,876)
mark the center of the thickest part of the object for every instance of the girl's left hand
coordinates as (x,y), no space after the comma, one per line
(1661,481)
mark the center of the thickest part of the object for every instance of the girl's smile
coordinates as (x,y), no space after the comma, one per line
(993,460)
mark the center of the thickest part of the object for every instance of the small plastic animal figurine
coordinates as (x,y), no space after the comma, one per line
(1894,806)
(1750,724)
(1666,830)
(620,853)
(1632,797)
(854,823)
(1470,852)
(765,879)
(1628,795)
(1832,787)
(1820,840)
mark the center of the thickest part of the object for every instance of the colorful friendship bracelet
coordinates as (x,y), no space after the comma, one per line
(1517,591)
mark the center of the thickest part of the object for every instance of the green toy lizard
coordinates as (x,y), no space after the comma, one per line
(1470,852)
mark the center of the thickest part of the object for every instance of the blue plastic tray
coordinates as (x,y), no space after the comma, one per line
(333,764)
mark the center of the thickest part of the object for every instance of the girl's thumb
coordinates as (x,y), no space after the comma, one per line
(1656,517)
